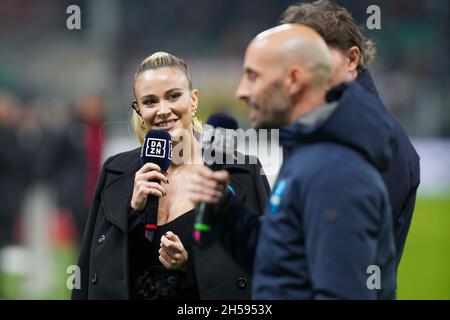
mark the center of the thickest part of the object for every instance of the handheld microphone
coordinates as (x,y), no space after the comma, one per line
(218,140)
(156,148)
(222,120)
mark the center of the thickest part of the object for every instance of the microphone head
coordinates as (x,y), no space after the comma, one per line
(157,148)
(218,138)
(222,120)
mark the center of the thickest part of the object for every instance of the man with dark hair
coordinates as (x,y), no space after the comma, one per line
(351,53)
(336,26)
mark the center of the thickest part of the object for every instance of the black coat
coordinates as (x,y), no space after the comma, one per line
(403,175)
(103,259)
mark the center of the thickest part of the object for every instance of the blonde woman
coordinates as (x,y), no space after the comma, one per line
(116,261)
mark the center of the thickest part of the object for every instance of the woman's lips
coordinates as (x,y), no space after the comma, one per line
(166,125)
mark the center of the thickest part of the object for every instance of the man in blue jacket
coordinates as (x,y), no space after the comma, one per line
(327,232)
(351,53)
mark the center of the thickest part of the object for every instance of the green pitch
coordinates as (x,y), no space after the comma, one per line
(424,271)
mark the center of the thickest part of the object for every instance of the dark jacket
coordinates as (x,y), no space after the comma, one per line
(403,175)
(328,219)
(103,259)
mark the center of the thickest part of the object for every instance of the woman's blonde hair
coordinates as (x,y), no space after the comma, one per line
(156,61)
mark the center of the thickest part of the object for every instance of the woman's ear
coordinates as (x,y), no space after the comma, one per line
(134,105)
(353,56)
(194,100)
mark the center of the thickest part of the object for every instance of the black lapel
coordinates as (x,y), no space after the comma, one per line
(118,189)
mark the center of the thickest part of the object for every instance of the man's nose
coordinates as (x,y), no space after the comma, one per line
(242,92)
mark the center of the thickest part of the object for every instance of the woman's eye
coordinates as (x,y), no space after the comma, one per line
(149,102)
(174,96)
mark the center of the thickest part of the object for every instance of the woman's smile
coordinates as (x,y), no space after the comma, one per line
(166,124)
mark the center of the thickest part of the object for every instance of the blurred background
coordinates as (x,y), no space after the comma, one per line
(64,108)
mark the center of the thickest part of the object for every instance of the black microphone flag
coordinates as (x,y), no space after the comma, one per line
(156,148)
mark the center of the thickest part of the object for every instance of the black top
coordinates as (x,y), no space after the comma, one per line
(149,279)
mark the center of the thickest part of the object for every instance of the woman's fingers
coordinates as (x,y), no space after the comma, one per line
(172,253)
(172,236)
(165,263)
(152,192)
(171,246)
(145,188)
(153,175)
(149,166)
(150,171)
(167,256)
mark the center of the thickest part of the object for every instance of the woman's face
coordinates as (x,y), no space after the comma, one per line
(164,99)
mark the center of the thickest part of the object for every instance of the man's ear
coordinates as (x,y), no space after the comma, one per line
(294,81)
(353,55)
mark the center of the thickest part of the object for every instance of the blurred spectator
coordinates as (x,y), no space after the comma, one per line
(77,160)
(13,169)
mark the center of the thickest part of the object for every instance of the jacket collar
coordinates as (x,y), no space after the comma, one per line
(358,122)
(128,161)
(318,115)
(365,80)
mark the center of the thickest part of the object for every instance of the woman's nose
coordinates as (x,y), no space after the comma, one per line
(164,108)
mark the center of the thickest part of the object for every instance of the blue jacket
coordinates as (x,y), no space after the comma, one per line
(328,222)
(403,175)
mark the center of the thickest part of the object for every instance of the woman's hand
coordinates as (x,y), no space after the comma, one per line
(172,253)
(143,185)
